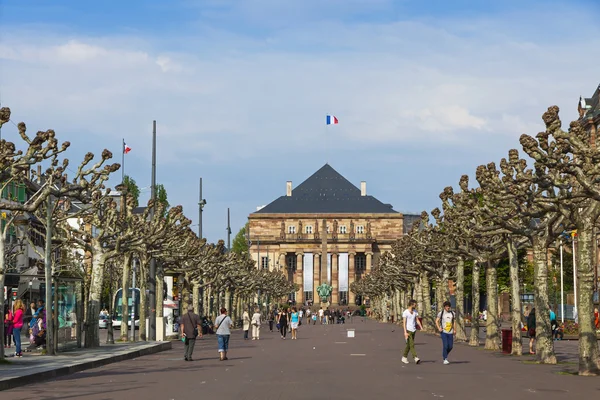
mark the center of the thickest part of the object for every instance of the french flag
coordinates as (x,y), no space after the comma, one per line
(331,120)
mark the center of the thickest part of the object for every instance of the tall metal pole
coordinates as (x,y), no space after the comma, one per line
(574,270)
(132,301)
(562,288)
(152,280)
(48,276)
(228,231)
(123,162)
(200,205)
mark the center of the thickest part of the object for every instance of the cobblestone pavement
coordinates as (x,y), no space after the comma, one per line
(324,363)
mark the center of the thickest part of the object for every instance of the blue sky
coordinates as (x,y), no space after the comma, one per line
(424,92)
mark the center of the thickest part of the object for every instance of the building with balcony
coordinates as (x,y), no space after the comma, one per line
(287,234)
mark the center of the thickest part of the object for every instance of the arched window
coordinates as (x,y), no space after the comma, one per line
(360,229)
(291,229)
(343,229)
(309,229)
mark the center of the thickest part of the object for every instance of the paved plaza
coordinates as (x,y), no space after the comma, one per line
(322,364)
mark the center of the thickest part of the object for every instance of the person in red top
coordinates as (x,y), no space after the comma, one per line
(596,318)
(18,312)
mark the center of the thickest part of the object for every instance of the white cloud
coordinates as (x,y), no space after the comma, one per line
(225,98)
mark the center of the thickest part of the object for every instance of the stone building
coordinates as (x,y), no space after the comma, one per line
(287,234)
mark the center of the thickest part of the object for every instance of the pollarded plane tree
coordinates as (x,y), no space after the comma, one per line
(386,278)
(429,259)
(466,227)
(527,212)
(105,232)
(395,267)
(15,167)
(449,245)
(162,235)
(569,163)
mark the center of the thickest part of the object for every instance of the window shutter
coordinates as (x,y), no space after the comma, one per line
(21,193)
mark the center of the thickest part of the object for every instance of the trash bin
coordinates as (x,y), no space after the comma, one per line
(507,341)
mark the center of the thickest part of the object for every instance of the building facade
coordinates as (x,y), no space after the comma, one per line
(325,211)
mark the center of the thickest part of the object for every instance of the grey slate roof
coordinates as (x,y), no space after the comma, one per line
(326,191)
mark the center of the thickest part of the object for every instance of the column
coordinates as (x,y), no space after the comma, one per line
(351,277)
(369,262)
(334,279)
(316,277)
(299,278)
(281,261)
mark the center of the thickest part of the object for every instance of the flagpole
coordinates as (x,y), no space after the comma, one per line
(123,162)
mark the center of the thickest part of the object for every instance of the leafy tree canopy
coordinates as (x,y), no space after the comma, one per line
(240,245)
(133,190)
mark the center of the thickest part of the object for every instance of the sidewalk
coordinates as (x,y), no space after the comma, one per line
(34,367)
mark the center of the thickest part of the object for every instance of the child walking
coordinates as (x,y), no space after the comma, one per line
(410,328)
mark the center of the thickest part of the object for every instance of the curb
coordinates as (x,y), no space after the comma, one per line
(63,371)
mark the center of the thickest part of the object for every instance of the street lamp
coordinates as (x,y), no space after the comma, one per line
(133,293)
(30,289)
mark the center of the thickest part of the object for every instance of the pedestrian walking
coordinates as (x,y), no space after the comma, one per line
(282,322)
(446,325)
(553,322)
(18,312)
(295,320)
(256,324)
(191,328)
(8,326)
(271,318)
(531,329)
(246,324)
(223,326)
(411,321)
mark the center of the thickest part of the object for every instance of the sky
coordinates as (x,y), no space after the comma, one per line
(424,91)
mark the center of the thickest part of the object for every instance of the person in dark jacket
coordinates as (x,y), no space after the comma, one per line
(191,328)
(531,329)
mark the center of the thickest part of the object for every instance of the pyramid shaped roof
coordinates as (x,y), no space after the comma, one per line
(326,192)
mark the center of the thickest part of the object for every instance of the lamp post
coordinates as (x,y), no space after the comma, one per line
(201,204)
(132,299)
(30,289)
(562,289)
(573,233)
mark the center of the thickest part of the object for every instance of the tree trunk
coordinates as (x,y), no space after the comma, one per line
(459,290)
(589,363)
(143,279)
(125,296)
(428,318)
(543,332)
(513,261)
(196,297)
(50,338)
(110,332)
(474,339)
(492,339)
(92,338)
(160,294)
(416,293)
(439,296)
